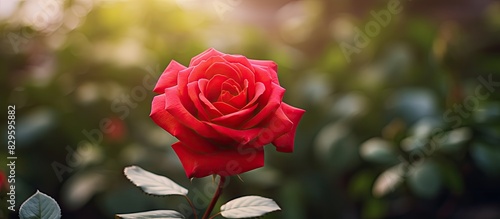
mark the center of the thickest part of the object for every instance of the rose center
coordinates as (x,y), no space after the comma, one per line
(231,88)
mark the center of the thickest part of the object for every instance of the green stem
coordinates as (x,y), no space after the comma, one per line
(215,198)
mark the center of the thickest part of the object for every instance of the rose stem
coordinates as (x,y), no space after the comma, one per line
(215,215)
(192,206)
(215,198)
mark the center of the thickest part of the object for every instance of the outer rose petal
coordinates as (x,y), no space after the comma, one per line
(267,63)
(204,56)
(168,122)
(285,142)
(278,125)
(272,104)
(271,65)
(200,71)
(169,77)
(175,107)
(239,137)
(222,162)
(238,59)
(194,91)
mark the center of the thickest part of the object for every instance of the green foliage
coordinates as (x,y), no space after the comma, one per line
(408,128)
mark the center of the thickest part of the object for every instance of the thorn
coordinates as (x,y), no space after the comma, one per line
(239,177)
(191,180)
(213,178)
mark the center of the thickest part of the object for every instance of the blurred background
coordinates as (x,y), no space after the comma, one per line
(402,100)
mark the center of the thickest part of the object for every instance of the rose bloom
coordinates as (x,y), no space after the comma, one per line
(223,109)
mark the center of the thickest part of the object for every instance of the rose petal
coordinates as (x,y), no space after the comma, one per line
(247,74)
(194,91)
(225,96)
(169,77)
(237,59)
(212,111)
(272,74)
(224,108)
(285,142)
(278,125)
(259,90)
(182,80)
(240,137)
(235,119)
(168,122)
(214,87)
(183,95)
(204,56)
(232,86)
(222,68)
(264,64)
(272,104)
(265,78)
(239,100)
(175,107)
(202,84)
(222,162)
(204,67)
(194,73)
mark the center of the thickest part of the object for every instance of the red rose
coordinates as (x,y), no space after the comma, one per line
(223,109)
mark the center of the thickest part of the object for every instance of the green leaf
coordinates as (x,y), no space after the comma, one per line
(248,206)
(378,150)
(454,140)
(487,158)
(40,206)
(413,143)
(153,184)
(335,146)
(388,180)
(424,179)
(163,214)
(488,113)
(420,133)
